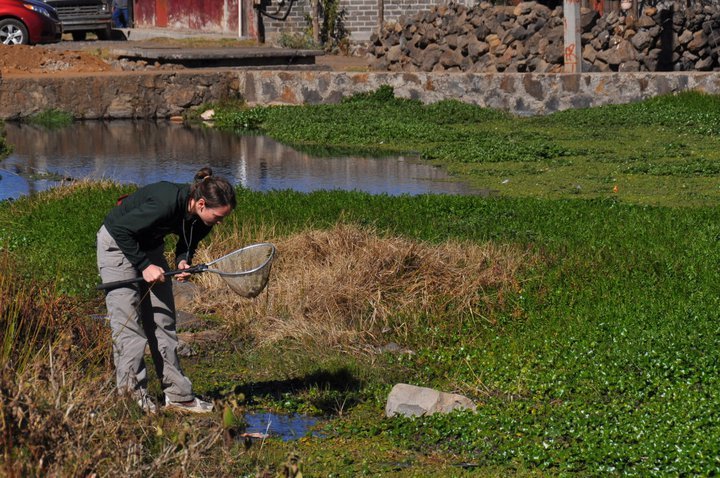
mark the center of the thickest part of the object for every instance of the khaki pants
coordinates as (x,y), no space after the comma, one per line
(141,315)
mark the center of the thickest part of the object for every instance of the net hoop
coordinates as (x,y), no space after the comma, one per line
(245,250)
(247,270)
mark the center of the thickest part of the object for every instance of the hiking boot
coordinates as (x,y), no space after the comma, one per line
(193,406)
(146,404)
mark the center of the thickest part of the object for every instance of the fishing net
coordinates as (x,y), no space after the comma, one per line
(246,270)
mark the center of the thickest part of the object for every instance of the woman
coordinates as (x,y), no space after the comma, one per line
(130,244)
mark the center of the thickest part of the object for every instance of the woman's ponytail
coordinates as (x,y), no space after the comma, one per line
(215,190)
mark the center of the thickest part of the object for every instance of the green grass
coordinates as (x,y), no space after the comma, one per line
(606,361)
(51,118)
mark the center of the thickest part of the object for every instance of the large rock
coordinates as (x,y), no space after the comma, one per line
(410,400)
(621,53)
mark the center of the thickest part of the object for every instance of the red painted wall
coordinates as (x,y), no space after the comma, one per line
(214,16)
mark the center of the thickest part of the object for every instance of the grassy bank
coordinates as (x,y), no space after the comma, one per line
(584,328)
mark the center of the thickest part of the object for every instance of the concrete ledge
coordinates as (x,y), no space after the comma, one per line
(153,94)
(214,57)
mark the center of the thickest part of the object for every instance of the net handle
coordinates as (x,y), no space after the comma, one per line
(122,283)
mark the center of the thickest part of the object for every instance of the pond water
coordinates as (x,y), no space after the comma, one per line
(287,427)
(142,152)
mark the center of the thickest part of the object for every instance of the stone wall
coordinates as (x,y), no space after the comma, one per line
(161,95)
(520,93)
(529,38)
(128,95)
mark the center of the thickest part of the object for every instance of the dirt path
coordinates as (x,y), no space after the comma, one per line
(93,57)
(22,59)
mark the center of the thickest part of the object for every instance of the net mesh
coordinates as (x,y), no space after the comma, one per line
(247,270)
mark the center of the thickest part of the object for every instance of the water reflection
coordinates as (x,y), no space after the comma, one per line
(287,427)
(142,152)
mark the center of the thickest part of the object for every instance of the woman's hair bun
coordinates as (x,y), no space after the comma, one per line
(205,172)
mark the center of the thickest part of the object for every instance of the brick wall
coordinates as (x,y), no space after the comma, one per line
(360,15)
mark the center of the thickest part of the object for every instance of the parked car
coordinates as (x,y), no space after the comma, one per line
(25,22)
(82,16)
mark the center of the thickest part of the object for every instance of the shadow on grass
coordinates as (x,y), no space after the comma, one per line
(338,389)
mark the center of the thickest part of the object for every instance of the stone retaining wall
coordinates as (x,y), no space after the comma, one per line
(108,96)
(161,95)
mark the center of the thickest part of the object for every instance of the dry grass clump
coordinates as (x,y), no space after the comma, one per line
(72,423)
(346,286)
(59,412)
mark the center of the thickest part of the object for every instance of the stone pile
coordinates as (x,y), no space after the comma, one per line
(528,37)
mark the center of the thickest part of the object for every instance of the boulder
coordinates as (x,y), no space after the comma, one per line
(410,400)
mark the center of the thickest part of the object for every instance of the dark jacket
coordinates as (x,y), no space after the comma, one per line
(143,219)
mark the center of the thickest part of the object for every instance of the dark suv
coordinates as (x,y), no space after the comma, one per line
(81,16)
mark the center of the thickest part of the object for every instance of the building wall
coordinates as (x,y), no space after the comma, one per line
(211,16)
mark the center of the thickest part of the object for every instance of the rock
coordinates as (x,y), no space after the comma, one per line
(589,53)
(622,53)
(698,42)
(554,53)
(431,55)
(529,36)
(646,22)
(208,115)
(451,58)
(601,41)
(410,400)
(524,8)
(185,350)
(632,65)
(477,49)
(493,40)
(642,40)
(685,37)
(588,19)
(517,33)
(394,53)
(705,64)
(184,292)
(451,40)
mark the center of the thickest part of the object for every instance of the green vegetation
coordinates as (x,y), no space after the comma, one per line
(51,118)
(599,356)
(663,151)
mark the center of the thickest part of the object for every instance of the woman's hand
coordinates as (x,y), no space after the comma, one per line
(182,277)
(153,273)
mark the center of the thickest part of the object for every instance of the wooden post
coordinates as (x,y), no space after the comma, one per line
(315,13)
(573,44)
